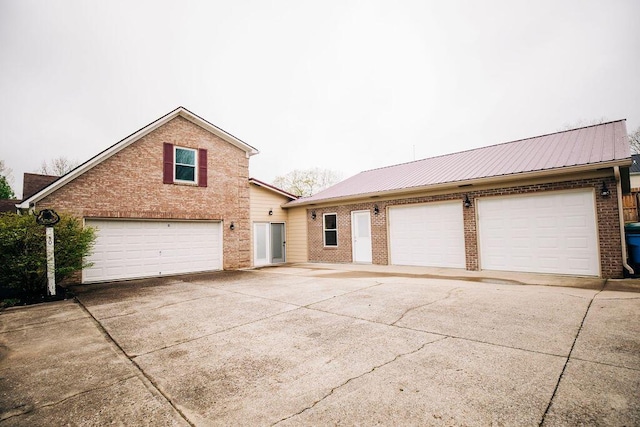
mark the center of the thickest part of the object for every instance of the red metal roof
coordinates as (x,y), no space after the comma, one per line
(591,145)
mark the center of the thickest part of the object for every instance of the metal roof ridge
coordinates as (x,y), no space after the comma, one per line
(492,145)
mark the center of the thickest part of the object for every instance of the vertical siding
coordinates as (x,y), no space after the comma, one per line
(297,249)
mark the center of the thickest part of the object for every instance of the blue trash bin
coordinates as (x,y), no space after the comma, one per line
(632,233)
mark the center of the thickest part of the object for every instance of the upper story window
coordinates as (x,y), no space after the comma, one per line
(185,165)
(330,229)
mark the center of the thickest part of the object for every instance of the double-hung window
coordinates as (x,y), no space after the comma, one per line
(330,229)
(185,165)
(181,165)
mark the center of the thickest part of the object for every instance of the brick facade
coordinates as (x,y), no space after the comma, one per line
(606,214)
(129,184)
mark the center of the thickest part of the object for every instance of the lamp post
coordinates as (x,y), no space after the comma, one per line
(49,218)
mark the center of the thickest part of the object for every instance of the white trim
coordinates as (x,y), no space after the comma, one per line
(271,188)
(195,165)
(354,236)
(89,164)
(324,230)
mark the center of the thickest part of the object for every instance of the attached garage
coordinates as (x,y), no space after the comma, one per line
(430,235)
(553,232)
(127,249)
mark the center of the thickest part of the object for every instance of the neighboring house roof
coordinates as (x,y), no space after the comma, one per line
(180,111)
(591,147)
(8,205)
(33,182)
(635,164)
(273,188)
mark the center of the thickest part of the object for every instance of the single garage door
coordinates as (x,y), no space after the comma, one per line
(427,235)
(542,233)
(130,249)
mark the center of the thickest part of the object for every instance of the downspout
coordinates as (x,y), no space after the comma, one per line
(616,171)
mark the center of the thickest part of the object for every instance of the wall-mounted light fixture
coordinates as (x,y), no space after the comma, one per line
(605,190)
(313,215)
(376,210)
(467,202)
(232,226)
(270,212)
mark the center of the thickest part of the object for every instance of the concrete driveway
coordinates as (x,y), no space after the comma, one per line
(312,345)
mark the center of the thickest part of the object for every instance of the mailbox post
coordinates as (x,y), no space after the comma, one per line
(49,218)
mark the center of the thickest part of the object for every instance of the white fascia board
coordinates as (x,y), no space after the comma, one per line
(180,111)
(194,118)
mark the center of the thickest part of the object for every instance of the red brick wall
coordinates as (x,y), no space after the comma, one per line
(606,213)
(129,185)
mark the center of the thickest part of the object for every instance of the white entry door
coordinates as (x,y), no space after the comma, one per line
(268,243)
(361,236)
(430,235)
(554,232)
(128,249)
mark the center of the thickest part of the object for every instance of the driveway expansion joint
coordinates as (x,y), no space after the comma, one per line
(357,377)
(142,373)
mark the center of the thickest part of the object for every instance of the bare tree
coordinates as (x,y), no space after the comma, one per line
(6,171)
(634,141)
(308,181)
(58,166)
(580,123)
(6,192)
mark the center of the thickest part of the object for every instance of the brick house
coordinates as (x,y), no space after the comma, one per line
(548,204)
(171,198)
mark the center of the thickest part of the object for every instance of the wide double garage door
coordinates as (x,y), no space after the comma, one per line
(553,232)
(127,249)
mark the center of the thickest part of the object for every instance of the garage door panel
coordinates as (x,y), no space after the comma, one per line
(557,231)
(427,235)
(130,249)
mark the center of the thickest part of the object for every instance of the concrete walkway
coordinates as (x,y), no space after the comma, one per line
(315,344)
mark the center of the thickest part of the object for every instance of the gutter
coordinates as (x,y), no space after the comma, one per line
(616,171)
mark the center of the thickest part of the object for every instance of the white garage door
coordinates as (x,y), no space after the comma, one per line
(543,233)
(131,249)
(427,235)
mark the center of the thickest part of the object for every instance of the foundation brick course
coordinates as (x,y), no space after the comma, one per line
(606,214)
(129,185)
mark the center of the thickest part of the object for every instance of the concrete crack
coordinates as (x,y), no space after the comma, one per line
(346,293)
(14,412)
(355,378)
(448,295)
(216,332)
(566,362)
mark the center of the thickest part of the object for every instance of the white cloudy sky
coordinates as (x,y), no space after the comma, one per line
(344,85)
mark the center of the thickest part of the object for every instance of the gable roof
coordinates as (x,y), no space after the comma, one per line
(590,147)
(118,146)
(272,188)
(34,182)
(8,205)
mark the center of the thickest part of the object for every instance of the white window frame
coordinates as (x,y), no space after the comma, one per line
(324,230)
(195,165)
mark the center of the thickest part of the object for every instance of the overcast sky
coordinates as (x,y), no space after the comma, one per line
(343,85)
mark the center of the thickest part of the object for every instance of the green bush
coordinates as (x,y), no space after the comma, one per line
(23,256)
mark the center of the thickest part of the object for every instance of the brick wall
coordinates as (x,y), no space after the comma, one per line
(129,185)
(606,213)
